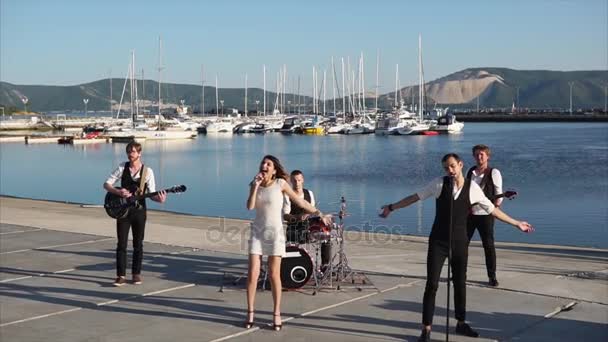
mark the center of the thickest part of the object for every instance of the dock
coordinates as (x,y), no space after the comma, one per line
(57,265)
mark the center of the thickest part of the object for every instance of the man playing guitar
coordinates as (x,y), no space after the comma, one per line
(130,175)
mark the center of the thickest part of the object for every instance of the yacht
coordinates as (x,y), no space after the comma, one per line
(447,124)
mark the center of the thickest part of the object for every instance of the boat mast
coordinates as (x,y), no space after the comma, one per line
(333,82)
(264,89)
(420,81)
(377,76)
(324,92)
(217,106)
(202,90)
(396,84)
(344,90)
(160,70)
(245,94)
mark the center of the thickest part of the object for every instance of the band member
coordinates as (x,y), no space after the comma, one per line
(490,181)
(453,203)
(130,174)
(266,192)
(297,218)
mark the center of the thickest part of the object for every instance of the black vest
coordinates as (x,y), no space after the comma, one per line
(127,182)
(297,210)
(487,182)
(460,212)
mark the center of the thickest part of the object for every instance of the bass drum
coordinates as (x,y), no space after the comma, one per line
(296,267)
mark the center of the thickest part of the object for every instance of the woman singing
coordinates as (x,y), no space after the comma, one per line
(267,236)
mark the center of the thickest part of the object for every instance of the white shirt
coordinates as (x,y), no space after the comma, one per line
(117,174)
(496,178)
(287,202)
(476,195)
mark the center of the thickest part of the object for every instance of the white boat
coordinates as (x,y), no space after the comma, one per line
(139,134)
(448,125)
(221,125)
(413,128)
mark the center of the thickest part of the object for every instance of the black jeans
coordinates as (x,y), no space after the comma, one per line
(437,253)
(485,225)
(136,220)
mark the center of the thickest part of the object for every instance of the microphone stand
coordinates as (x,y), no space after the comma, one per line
(447,312)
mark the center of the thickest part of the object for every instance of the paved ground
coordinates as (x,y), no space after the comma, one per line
(57,265)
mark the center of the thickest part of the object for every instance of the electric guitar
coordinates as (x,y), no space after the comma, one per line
(507,194)
(118,207)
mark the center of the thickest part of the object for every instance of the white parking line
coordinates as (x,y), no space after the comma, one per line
(55,246)
(14,279)
(39,317)
(319,310)
(98,304)
(21,231)
(37,275)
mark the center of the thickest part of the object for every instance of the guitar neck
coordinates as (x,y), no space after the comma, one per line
(150,194)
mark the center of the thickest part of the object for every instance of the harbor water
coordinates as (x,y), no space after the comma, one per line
(558,169)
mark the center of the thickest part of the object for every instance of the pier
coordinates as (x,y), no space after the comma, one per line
(57,267)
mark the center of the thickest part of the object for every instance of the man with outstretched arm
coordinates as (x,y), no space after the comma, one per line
(454,196)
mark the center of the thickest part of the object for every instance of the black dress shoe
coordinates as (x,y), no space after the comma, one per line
(466,330)
(493,282)
(425,336)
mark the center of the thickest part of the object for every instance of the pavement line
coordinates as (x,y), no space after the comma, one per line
(37,275)
(97,304)
(64,271)
(249,331)
(21,231)
(14,279)
(167,290)
(38,317)
(64,245)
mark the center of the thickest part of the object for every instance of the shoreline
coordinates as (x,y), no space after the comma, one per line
(352,235)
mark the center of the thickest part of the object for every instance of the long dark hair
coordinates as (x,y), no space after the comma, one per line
(281,173)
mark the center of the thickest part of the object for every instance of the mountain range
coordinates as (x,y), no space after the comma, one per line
(491,87)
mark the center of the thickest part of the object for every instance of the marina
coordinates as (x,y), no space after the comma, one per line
(303,171)
(533,158)
(56,273)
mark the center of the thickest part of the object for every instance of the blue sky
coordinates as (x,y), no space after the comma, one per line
(65,42)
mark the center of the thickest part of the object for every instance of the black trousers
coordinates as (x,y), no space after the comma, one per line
(485,225)
(136,221)
(437,253)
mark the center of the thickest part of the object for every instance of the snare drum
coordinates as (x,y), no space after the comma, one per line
(296,267)
(318,231)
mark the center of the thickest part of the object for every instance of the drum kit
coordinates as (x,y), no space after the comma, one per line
(302,260)
(298,267)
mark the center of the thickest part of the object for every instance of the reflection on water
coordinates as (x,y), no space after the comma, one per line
(558,169)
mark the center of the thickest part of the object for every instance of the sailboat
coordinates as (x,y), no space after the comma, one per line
(139,130)
(417,125)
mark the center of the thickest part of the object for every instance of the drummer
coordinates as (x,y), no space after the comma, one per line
(297,218)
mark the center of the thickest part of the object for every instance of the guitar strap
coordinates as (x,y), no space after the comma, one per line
(142,180)
(486,178)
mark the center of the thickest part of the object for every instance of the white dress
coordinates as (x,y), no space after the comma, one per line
(267,236)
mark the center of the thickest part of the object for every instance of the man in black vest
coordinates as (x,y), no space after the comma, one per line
(490,181)
(454,196)
(297,218)
(130,174)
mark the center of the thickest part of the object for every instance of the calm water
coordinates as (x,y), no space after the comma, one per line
(559,169)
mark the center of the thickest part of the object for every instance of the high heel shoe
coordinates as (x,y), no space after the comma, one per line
(277,327)
(249,324)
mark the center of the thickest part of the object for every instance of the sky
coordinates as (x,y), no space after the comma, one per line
(68,42)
